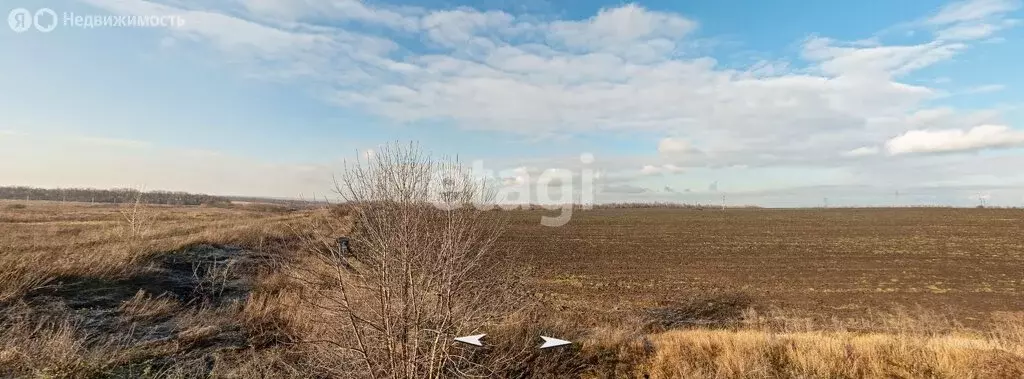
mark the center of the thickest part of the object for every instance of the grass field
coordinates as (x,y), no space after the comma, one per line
(126,291)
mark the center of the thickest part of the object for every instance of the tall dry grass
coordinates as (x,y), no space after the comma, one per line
(47,240)
(294,326)
(45,243)
(899,344)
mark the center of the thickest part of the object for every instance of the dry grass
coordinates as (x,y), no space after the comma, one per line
(45,244)
(759,354)
(901,346)
(144,305)
(48,350)
(98,241)
(275,331)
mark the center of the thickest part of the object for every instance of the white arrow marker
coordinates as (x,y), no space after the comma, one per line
(472,340)
(553,342)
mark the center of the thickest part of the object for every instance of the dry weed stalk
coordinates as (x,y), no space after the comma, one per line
(137,219)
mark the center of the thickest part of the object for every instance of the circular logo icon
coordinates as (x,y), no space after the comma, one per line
(45,20)
(20,20)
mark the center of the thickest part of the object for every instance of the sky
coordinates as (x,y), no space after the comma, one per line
(780,103)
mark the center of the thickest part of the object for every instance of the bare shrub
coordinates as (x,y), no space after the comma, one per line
(137,220)
(425,268)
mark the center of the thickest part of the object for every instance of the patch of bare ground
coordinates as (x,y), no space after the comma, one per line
(180,301)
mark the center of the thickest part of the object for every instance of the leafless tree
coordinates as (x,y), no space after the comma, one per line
(425,267)
(137,219)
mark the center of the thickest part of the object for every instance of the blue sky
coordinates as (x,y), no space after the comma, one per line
(781,103)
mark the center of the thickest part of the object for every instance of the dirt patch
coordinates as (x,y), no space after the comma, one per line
(202,275)
(709,310)
(183,299)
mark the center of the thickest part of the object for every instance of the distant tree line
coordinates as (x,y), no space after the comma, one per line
(669,205)
(282,202)
(116,195)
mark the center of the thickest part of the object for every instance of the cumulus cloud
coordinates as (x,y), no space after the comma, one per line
(624,68)
(517,176)
(350,10)
(861,151)
(661,169)
(954,140)
(622,26)
(672,145)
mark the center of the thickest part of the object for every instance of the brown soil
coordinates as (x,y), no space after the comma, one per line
(846,263)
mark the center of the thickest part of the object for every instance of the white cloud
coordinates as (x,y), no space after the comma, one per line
(671,145)
(460,26)
(877,60)
(286,51)
(861,151)
(928,117)
(626,69)
(985,88)
(973,19)
(617,27)
(967,32)
(939,141)
(349,10)
(518,176)
(660,169)
(621,69)
(973,10)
